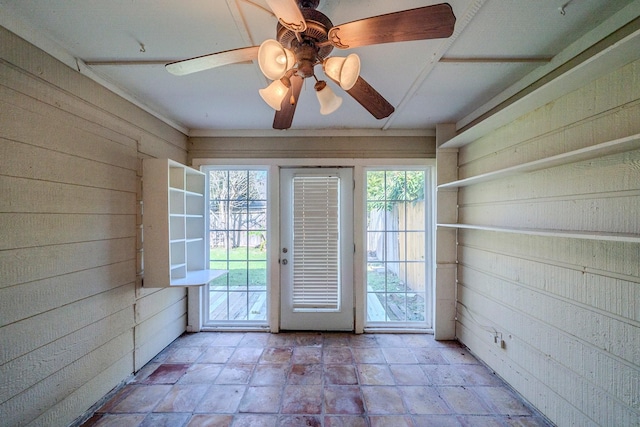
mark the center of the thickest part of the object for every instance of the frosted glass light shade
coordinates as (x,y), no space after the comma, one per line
(274,60)
(274,94)
(329,101)
(345,71)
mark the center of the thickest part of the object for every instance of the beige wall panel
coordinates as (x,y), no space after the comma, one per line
(86,395)
(447,248)
(447,169)
(155,333)
(25,119)
(25,371)
(26,161)
(20,338)
(445,302)
(610,295)
(89,99)
(150,329)
(567,308)
(17,266)
(30,299)
(621,341)
(70,159)
(20,409)
(544,354)
(602,214)
(610,100)
(150,146)
(142,292)
(568,181)
(19,194)
(48,95)
(312,147)
(542,396)
(26,230)
(157,302)
(165,335)
(613,259)
(447,206)
(605,127)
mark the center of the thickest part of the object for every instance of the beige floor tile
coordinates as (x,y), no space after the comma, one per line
(201,373)
(423,400)
(253,379)
(408,375)
(235,374)
(463,400)
(383,400)
(299,399)
(261,400)
(143,398)
(210,420)
(392,421)
(343,400)
(182,398)
(221,399)
(375,375)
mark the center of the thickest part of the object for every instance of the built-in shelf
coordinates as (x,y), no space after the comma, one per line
(198,277)
(588,235)
(174,226)
(606,148)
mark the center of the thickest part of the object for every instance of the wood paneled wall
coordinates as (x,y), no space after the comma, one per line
(559,285)
(74,321)
(377,147)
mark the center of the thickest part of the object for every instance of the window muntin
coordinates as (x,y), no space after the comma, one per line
(398,267)
(237,243)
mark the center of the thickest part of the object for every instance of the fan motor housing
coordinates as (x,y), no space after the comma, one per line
(317,31)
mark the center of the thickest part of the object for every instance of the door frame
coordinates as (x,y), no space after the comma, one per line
(273,166)
(341,319)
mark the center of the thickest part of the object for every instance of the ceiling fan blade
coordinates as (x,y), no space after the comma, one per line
(205,62)
(429,22)
(284,117)
(289,14)
(370,99)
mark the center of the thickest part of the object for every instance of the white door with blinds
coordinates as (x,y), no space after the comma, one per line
(316,253)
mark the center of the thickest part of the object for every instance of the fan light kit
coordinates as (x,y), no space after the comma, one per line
(306,37)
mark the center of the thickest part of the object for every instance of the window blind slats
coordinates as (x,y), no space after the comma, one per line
(316,243)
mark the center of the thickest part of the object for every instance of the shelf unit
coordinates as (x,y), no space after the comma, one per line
(174,226)
(589,235)
(616,146)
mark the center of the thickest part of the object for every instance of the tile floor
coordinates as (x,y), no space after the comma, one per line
(314,379)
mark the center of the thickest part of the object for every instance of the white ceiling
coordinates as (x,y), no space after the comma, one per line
(429,82)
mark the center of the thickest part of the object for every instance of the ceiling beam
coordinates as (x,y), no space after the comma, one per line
(461,24)
(496,60)
(604,56)
(126,63)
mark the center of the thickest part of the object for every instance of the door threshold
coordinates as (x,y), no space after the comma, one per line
(382,330)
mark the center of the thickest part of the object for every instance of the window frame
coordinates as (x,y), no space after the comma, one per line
(273,165)
(208,324)
(430,262)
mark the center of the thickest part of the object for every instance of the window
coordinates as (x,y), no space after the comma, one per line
(399,262)
(316,244)
(237,243)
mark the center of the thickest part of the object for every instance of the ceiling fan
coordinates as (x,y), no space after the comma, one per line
(306,37)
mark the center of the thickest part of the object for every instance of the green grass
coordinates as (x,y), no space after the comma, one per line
(245,265)
(376,282)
